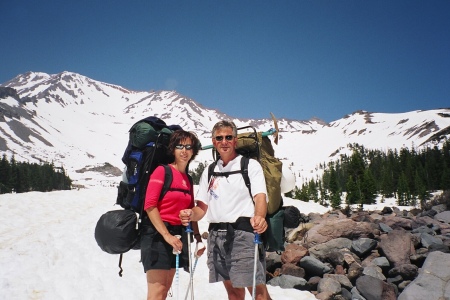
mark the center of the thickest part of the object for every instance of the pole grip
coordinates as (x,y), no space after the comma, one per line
(257,238)
(188,227)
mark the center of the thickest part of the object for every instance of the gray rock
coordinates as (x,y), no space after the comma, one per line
(321,251)
(423,229)
(373,288)
(289,282)
(363,246)
(443,217)
(342,279)
(439,247)
(356,295)
(427,240)
(346,294)
(374,271)
(432,282)
(439,208)
(384,227)
(329,285)
(381,262)
(313,266)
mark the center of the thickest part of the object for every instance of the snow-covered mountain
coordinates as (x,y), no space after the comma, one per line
(82,124)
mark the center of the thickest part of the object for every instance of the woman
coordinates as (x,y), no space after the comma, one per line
(158,240)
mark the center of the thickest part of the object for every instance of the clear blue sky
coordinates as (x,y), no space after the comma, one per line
(246,58)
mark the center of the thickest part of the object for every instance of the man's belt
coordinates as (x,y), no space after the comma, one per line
(242,223)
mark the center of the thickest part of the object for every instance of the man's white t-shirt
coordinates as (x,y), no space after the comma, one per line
(228,198)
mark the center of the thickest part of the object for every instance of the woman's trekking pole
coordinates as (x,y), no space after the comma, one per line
(191,277)
(257,242)
(177,269)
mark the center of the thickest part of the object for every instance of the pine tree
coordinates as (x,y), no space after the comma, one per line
(402,191)
(197,173)
(368,188)
(312,191)
(353,194)
(5,176)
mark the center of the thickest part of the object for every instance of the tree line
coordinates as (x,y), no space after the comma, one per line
(21,177)
(408,175)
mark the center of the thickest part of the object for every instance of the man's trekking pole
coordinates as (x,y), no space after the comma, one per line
(257,242)
(177,271)
(191,275)
(193,270)
(191,278)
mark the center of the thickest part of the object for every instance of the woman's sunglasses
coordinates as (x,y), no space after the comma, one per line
(181,146)
(219,138)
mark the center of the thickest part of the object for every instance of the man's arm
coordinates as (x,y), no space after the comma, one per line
(194,214)
(259,220)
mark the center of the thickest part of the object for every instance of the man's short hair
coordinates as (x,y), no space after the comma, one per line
(224,124)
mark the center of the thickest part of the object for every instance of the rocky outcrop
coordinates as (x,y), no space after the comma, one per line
(388,254)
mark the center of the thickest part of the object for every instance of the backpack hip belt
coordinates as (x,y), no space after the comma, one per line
(242,223)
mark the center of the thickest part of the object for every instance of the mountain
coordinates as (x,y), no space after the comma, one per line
(83,124)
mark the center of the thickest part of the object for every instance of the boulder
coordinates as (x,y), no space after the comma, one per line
(397,247)
(313,266)
(372,288)
(363,246)
(340,228)
(289,282)
(293,270)
(293,253)
(329,285)
(432,281)
(323,250)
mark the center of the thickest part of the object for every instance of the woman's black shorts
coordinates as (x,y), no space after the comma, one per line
(156,253)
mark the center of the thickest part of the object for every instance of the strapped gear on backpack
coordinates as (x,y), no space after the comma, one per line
(253,145)
(118,231)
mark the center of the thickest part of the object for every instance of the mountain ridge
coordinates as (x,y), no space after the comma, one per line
(79,122)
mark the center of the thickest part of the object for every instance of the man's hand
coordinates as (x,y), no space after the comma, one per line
(199,249)
(259,224)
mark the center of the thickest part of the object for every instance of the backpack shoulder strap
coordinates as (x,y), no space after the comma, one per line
(167,181)
(168,177)
(244,169)
(211,170)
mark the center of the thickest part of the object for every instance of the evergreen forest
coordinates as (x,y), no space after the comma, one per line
(21,177)
(408,175)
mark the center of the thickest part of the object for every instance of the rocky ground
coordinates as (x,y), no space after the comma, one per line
(387,254)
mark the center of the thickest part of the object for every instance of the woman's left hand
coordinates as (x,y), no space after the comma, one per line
(174,241)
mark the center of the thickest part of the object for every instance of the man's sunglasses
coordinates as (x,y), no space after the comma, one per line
(180,147)
(219,138)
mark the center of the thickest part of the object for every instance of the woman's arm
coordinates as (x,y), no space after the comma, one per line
(155,218)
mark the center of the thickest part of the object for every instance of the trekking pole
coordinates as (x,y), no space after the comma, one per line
(191,278)
(257,242)
(177,271)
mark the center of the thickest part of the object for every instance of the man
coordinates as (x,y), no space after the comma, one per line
(234,217)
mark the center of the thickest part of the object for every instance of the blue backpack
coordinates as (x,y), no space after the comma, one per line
(118,231)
